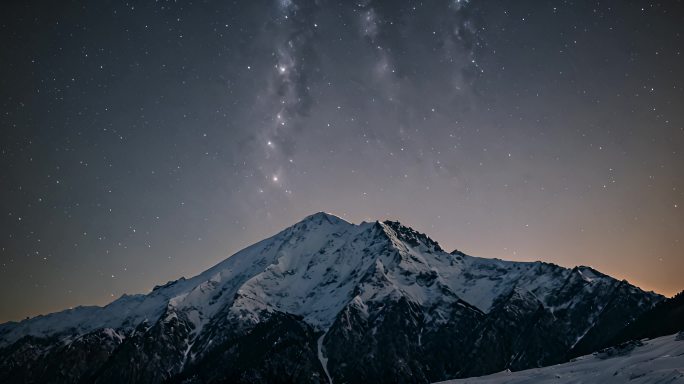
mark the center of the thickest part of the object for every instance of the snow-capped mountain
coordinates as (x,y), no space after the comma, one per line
(330,301)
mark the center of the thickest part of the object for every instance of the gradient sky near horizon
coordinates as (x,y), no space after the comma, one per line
(144,141)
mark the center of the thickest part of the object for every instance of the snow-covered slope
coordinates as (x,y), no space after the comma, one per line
(342,284)
(255,274)
(310,270)
(659,360)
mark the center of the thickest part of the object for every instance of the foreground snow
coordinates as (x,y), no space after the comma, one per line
(659,360)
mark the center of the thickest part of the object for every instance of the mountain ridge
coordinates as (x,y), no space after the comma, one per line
(372,301)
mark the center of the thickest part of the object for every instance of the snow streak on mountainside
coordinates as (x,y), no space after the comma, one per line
(376,301)
(659,360)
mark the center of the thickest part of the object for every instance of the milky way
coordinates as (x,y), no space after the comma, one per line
(143,142)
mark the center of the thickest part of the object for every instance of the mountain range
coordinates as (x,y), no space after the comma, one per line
(326,301)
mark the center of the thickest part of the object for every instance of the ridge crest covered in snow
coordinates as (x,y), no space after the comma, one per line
(342,282)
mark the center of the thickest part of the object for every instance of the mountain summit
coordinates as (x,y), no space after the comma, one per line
(326,300)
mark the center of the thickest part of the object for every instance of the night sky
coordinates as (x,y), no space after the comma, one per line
(141,142)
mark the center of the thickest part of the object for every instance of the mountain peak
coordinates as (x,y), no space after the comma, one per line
(322,217)
(411,236)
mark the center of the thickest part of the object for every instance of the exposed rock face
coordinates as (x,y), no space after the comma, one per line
(53,360)
(282,349)
(326,299)
(666,318)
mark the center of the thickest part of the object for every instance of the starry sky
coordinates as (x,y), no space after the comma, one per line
(144,141)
